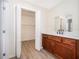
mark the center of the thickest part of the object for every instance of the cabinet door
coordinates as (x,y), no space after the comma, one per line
(59,51)
(68,54)
(64,52)
(77,49)
(44,42)
(53,46)
(50,45)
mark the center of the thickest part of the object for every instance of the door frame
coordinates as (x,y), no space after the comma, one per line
(18,10)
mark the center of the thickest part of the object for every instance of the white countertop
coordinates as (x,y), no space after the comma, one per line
(66,34)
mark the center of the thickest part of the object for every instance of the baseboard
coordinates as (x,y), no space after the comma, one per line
(28,40)
(11,56)
(14,58)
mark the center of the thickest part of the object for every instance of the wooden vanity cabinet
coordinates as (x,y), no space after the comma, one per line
(64,48)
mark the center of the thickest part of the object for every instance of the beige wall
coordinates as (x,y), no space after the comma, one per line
(27,25)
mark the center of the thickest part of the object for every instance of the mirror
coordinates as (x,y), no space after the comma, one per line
(63,24)
(69,25)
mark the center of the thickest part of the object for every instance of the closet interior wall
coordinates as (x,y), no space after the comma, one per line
(28,25)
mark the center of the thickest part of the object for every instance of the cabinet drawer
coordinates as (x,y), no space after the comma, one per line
(44,35)
(55,38)
(69,41)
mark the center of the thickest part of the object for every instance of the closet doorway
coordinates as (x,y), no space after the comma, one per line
(18,30)
(27,32)
(27,25)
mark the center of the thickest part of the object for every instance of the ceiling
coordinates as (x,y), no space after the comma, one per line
(45,3)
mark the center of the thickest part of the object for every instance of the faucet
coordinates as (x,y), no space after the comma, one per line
(60,31)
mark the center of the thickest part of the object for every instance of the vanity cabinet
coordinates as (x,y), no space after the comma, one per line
(64,48)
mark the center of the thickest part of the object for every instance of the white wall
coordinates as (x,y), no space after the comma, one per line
(65,8)
(27,25)
(13,3)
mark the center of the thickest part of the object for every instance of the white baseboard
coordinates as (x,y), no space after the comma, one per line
(11,56)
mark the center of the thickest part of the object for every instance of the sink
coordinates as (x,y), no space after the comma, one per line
(71,34)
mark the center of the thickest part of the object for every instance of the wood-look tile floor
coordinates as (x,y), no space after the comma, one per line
(29,52)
